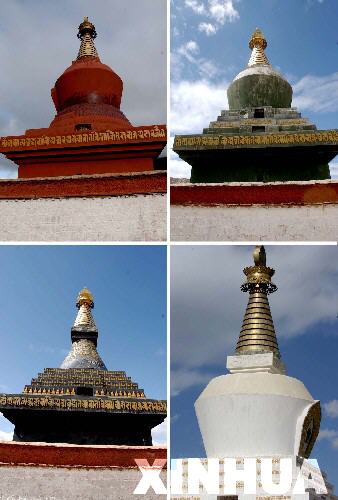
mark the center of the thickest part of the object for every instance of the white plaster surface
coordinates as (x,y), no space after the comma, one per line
(54,483)
(122,218)
(263,362)
(252,414)
(254,223)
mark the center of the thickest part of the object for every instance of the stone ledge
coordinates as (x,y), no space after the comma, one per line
(274,193)
(84,186)
(69,455)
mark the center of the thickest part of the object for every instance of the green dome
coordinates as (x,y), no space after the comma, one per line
(259,85)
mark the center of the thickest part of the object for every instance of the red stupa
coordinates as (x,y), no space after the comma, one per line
(89,134)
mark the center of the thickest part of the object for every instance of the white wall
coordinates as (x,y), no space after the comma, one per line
(123,218)
(56,483)
(253,223)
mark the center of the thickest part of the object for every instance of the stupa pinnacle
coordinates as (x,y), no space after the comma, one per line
(87,34)
(258,332)
(258,45)
(85,303)
(83,353)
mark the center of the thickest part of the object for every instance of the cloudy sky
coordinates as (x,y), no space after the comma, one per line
(207,308)
(38,42)
(38,296)
(209,45)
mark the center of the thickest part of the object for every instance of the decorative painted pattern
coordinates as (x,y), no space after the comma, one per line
(216,140)
(137,134)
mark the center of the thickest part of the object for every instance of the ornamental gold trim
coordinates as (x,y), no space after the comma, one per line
(217,140)
(114,405)
(112,137)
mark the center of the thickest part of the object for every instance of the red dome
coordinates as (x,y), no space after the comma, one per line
(88,94)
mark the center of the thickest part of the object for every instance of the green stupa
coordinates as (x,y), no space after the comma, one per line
(261,137)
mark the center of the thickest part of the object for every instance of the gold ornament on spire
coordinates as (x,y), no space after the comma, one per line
(87,34)
(85,302)
(85,297)
(258,332)
(258,40)
(87,27)
(258,44)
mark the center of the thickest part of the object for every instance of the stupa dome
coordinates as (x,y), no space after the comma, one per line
(259,85)
(88,94)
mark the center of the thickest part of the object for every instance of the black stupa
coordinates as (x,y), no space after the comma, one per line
(82,402)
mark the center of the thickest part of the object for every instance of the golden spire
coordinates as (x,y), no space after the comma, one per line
(258,332)
(87,34)
(85,303)
(258,44)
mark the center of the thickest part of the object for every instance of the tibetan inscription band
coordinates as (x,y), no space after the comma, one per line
(118,136)
(84,404)
(215,140)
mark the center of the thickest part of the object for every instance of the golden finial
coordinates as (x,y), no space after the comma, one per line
(259,276)
(85,297)
(87,27)
(258,40)
(259,256)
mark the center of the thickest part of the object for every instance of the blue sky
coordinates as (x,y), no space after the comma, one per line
(209,45)
(207,308)
(38,42)
(39,287)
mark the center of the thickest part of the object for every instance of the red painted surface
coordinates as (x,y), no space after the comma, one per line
(64,455)
(52,168)
(302,193)
(84,186)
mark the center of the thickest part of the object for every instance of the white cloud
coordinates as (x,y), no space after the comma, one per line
(317,93)
(192,47)
(329,435)
(197,7)
(189,51)
(195,104)
(6,436)
(179,168)
(6,428)
(159,434)
(182,379)
(331,408)
(221,11)
(333,170)
(208,28)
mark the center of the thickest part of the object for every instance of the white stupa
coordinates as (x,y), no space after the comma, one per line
(257,410)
